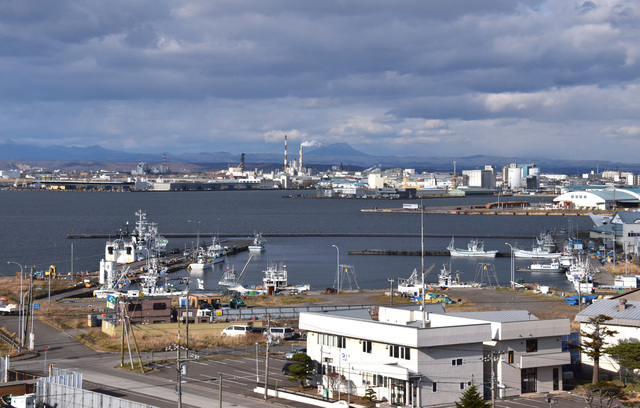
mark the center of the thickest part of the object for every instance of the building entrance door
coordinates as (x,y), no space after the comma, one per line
(398,392)
(529,377)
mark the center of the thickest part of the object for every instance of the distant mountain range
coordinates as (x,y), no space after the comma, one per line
(339,154)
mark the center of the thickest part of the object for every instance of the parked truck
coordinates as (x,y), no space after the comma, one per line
(8,308)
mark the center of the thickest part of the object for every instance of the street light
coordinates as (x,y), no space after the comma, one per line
(20,313)
(338,267)
(513,280)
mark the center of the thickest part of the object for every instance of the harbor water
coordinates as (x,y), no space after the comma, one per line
(36,225)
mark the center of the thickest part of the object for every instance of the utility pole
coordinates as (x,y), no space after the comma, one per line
(122,306)
(494,357)
(266,366)
(179,369)
(391,291)
(186,342)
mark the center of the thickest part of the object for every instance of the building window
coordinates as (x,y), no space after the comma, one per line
(511,357)
(532,345)
(134,307)
(400,352)
(456,361)
(434,387)
(366,346)
(342,342)
(159,306)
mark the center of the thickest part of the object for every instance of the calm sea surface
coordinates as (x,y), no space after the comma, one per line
(35,225)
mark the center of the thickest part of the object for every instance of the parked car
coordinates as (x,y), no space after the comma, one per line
(236,330)
(286,367)
(290,354)
(286,333)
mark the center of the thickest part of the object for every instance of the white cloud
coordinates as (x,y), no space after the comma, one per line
(359,126)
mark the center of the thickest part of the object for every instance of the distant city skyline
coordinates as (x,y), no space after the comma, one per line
(526,78)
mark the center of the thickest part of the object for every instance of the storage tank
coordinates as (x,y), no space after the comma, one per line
(515,177)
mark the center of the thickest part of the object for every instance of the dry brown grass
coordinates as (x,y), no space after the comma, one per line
(275,301)
(11,287)
(161,337)
(621,268)
(5,349)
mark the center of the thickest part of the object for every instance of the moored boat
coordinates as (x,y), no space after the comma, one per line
(553,267)
(474,248)
(258,243)
(144,242)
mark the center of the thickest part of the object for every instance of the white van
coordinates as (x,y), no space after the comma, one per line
(282,332)
(236,330)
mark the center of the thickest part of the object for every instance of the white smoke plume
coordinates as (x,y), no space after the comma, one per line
(311,143)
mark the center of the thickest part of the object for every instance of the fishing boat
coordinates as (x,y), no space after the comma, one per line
(579,275)
(274,281)
(202,262)
(114,283)
(474,248)
(447,280)
(553,267)
(144,242)
(411,286)
(258,243)
(215,252)
(544,247)
(155,282)
(205,258)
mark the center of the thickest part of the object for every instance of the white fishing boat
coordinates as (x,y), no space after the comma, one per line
(258,243)
(155,281)
(447,280)
(553,267)
(113,283)
(202,262)
(544,247)
(579,275)
(535,252)
(274,281)
(474,248)
(144,242)
(215,252)
(205,258)
(411,286)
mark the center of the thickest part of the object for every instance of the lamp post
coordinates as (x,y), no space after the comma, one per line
(21,303)
(337,268)
(513,280)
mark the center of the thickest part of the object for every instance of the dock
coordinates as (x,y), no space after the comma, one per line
(411,253)
(475,210)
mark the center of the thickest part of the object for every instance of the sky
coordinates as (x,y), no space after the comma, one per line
(529,78)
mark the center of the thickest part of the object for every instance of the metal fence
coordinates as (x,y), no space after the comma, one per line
(50,394)
(261,313)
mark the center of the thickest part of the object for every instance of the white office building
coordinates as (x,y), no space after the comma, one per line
(417,359)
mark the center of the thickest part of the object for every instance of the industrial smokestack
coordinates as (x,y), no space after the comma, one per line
(285,152)
(300,160)
(307,143)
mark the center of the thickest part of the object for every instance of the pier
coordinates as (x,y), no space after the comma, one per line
(311,234)
(414,253)
(476,210)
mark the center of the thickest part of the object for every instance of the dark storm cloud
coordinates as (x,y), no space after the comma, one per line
(409,76)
